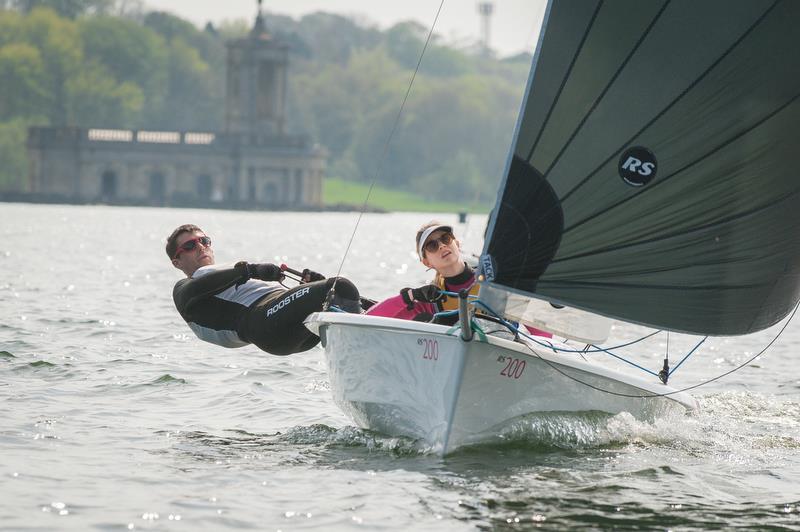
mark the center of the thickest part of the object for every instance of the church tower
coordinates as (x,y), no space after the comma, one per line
(255,94)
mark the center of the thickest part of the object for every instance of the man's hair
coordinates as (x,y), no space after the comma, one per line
(172,240)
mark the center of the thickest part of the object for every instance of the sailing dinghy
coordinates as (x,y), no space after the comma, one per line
(652,179)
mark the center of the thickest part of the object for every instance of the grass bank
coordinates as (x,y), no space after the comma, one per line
(340,192)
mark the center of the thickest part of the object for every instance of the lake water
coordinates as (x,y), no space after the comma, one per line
(113,416)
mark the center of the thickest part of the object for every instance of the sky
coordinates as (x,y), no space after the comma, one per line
(514,24)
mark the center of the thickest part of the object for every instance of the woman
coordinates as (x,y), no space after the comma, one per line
(438,249)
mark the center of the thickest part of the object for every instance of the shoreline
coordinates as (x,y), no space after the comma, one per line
(238,206)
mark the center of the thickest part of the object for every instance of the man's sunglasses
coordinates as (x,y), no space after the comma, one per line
(189,245)
(432,245)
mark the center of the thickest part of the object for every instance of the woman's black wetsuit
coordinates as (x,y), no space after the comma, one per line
(223,307)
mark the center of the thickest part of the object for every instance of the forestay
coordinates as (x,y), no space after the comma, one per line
(654,171)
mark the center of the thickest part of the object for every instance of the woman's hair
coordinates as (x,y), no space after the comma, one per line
(172,239)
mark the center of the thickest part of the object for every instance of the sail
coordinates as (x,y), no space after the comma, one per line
(653,176)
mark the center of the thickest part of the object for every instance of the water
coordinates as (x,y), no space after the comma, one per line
(113,416)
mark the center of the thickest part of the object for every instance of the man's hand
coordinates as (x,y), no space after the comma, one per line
(424,294)
(310,276)
(265,272)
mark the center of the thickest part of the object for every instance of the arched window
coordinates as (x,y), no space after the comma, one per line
(271,194)
(158,187)
(298,187)
(108,185)
(204,187)
(251,184)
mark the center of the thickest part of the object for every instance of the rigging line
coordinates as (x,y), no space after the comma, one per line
(668,107)
(750,212)
(634,364)
(388,141)
(606,89)
(687,356)
(667,394)
(550,346)
(653,373)
(564,80)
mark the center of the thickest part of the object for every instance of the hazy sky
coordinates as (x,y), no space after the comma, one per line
(514,26)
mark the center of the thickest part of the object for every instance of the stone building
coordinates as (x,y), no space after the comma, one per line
(252,163)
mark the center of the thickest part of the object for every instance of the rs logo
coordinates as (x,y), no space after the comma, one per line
(633,164)
(637,166)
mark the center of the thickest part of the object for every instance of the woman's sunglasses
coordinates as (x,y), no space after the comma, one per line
(189,245)
(432,245)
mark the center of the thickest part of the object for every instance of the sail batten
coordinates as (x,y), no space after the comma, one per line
(652,176)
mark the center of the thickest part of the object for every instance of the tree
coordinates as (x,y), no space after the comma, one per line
(65,8)
(99,100)
(405,42)
(195,74)
(59,46)
(191,101)
(334,38)
(459,178)
(14,170)
(22,77)
(131,55)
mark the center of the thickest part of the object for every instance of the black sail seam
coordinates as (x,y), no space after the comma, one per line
(764,300)
(685,167)
(659,115)
(606,88)
(651,286)
(743,214)
(527,231)
(564,81)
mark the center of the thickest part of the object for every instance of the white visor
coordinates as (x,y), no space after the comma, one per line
(430,230)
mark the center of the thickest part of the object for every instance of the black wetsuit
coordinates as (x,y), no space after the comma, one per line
(223,307)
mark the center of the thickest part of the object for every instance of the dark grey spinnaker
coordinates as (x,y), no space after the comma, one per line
(654,173)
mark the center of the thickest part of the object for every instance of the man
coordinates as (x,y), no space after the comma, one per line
(233,306)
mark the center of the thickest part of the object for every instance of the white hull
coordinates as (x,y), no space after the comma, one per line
(414,379)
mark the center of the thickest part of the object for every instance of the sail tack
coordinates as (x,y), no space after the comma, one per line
(654,173)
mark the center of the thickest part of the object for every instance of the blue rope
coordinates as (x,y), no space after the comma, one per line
(596,348)
(550,346)
(653,373)
(446,313)
(687,356)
